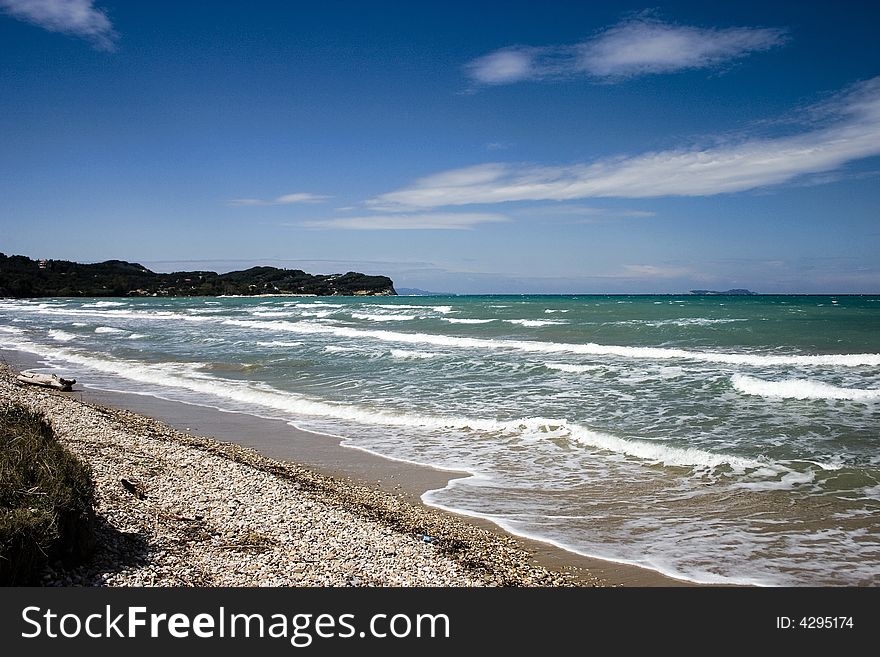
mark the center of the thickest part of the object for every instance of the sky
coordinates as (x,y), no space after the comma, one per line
(462,147)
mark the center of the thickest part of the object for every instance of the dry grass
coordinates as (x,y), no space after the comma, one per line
(46,499)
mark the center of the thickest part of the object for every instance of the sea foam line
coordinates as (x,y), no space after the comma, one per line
(187,377)
(800,389)
(590,349)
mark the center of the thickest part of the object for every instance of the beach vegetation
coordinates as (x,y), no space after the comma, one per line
(46,499)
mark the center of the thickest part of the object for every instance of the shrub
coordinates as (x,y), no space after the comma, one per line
(46,499)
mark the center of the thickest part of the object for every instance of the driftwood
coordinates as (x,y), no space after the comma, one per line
(133,488)
(47,381)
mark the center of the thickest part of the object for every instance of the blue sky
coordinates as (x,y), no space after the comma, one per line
(468,147)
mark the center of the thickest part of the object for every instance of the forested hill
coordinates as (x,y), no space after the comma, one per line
(22,277)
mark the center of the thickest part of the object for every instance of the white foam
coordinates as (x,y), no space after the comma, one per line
(333,349)
(61,336)
(315,304)
(136,336)
(442,309)
(590,348)
(457,320)
(656,452)
(551,310)
(683,321)
(186,376)
(271,313)
(788,481)
(395,306)
(206,311)
(383,318)
(800,389)
(279,343)
(573,369)
(317,313)
(534,322)
(122,314)
(410,355)
(104,304)
(109,329)
(11,329)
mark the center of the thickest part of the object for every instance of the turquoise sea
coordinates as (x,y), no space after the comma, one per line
(717,439)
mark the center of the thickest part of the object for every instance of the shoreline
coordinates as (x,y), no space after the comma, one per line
(277,439)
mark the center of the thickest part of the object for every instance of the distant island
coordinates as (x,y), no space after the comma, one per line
(21,277)
(737,291)
(416,292)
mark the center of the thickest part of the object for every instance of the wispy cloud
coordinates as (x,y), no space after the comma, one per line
(851,132)
(76,17)
(498,146)
(286,199)
(639,46)
(423,221)
(654,271)
(576,213)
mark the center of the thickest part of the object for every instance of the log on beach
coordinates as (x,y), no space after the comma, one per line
(47,381)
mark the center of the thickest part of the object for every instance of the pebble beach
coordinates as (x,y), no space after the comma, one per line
(174,509)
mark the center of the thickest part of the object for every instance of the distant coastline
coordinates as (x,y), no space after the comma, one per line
(734,292)
(24,278)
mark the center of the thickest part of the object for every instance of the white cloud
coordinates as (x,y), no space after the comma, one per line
(639,46)
(423,221)
(77,17)
(505,65)
(852,132)
(286,199)
(644,46)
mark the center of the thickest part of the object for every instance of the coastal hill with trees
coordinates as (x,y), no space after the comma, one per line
(22,277)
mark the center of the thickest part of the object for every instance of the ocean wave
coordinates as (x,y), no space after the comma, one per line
(461,320)
(279,343)
(109,329)
(573,369)
(188,376)
(683,321)
(206,311)
(317,313)
(104,304)
(383,318)
(313,304)
(535,322)
(333,349)
(590,348)
(410,355)
(395,306)
(669,455)
(800,389)
(271,313)
(159,315)
(61,336)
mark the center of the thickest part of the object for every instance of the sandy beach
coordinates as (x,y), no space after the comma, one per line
(260,503)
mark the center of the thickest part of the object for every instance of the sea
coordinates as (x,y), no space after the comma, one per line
(716,439)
